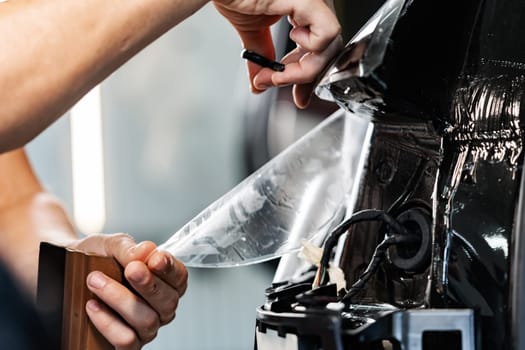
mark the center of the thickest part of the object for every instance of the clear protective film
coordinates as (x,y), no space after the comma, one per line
(365,51)
(301,194)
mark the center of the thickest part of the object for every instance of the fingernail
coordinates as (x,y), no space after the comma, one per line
(93,305)
(261,87)
(96,280)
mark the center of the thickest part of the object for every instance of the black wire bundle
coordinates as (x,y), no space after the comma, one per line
(401,235)
(377,258)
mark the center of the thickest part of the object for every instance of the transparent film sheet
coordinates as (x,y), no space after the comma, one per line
(365,51)
(302,193)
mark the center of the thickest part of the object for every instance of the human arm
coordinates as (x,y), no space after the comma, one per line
(29,215)
(52,52)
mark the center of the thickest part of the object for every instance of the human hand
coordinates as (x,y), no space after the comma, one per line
(315,30)
(126,320)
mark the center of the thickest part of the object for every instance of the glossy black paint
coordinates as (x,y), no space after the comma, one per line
(447,103)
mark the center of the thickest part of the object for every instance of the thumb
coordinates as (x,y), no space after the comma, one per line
(125,250)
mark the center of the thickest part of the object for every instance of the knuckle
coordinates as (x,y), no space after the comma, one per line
(334,30)
(171,305)
(151,323)
(126,340)
(149,337)
(168,318)
(326,38)
(102,324)
(123,235)
(119,241)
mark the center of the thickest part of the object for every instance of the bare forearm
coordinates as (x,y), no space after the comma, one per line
(22,228)
(28,215)
(53,51)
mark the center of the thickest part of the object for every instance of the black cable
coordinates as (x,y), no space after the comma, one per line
(361,216)
(377,258)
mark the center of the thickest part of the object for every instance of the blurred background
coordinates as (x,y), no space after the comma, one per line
(160,140)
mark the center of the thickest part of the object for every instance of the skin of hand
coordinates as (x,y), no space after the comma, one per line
(315,30)
(29,215)
(159,278)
